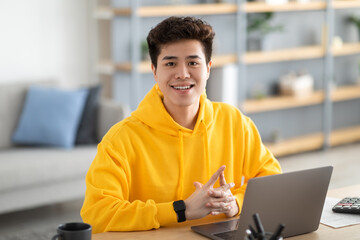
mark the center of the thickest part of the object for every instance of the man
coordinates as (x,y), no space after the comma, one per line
(161,164)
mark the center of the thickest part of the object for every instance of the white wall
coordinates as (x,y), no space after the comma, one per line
(45,39)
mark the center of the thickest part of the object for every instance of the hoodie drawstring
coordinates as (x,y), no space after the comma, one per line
(206,150)
(181,166)
(180,189)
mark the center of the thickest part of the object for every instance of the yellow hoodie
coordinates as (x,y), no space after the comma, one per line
(147,161)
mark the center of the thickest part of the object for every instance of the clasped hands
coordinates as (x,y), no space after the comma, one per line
(209,200)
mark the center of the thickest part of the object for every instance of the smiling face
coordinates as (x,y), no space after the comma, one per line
(181,74)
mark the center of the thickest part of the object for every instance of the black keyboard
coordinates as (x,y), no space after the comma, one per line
(226,235)
(348,205)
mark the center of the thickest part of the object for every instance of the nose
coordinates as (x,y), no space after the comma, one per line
(182,72)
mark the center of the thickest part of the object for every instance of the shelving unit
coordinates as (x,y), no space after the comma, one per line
(343,93)
(287,146)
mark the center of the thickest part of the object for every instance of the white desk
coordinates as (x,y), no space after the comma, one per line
(182,231)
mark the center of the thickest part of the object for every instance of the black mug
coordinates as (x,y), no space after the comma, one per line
(73,231)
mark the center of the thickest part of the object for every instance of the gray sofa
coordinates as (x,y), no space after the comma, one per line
(35,176)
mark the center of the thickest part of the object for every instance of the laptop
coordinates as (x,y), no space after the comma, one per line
(295,199)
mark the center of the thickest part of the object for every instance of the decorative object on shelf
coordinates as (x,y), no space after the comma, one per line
(258,28)
(356,21)
(275,136)
(298,85)
(222,85)
(337,42)
(259,91)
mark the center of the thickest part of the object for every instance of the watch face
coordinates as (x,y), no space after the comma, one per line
(179,206)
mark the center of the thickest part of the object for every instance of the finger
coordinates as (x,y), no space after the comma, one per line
(222,179)
(216,193)
(198,185)
(214,177)
(218,206)
(225,198)
(225,210)
(227,186)
(216,202)
(215,213)
(219,192)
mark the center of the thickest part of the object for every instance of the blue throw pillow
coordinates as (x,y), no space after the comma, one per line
(50,116)
(87,127)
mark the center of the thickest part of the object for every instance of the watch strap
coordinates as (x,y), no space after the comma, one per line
(179,208)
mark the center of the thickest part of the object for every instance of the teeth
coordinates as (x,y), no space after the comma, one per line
(181,87)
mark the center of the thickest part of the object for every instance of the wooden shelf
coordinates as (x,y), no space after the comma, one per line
(282,102)
(345,135)
(254,7)
(194,9)
(347,49)
(346,93)
(171,10)
(107,67)
(221,60)
(109,12)
(314,141)
(296,145)
(307,52)
(340,4)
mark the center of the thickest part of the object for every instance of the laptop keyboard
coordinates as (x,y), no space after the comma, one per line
(226,235)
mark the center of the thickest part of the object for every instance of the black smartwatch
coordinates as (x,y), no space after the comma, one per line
(179,208)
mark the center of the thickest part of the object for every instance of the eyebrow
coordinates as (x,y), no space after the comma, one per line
(174,57)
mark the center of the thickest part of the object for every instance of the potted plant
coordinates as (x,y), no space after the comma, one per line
(144,51)
(258,27)
(356,21)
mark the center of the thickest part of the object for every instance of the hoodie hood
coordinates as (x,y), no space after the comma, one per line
(153,113)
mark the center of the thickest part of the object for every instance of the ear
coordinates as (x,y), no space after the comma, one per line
(208,67)
(153,69)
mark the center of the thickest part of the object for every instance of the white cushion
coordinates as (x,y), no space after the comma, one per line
(26,167)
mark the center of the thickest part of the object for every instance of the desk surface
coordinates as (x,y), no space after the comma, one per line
(182,231)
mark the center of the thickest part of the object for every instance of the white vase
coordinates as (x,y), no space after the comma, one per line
(259,43)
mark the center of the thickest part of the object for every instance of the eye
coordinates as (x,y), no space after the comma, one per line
(170,64)
(193,63)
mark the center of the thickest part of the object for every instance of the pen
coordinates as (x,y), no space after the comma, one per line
(259,226)
(249,235)
(253,232)
(278,232)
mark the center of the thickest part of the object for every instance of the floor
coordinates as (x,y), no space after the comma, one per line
(345,159)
